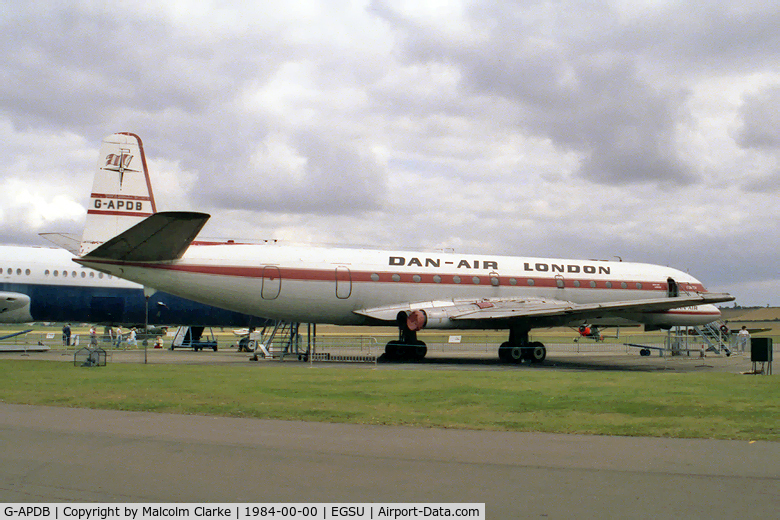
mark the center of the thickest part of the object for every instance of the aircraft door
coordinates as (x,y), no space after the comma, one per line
(343,283)
(272,282)
(673,290)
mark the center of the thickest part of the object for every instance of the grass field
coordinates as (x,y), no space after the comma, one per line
(711,405)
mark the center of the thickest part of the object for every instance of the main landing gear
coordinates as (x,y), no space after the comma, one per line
(519,348)
(407,347)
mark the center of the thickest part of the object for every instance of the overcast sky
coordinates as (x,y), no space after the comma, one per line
(648,130)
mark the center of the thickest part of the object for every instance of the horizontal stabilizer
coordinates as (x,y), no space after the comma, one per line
(161,237)
(66,241)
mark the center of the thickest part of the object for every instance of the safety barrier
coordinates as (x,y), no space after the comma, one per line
(344,358)
(345,349)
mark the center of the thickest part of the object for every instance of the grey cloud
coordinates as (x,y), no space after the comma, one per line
(79,68)
(336,179)
(760,114)
(585,98)
(769,183)
(705,37)
(760,133)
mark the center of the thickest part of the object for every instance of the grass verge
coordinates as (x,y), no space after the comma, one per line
(713,405)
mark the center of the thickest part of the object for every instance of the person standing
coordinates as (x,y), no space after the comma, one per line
(131,340)
(743,338)
(93,337)
(66,335)
(118,336)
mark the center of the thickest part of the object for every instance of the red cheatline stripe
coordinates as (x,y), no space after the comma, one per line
(384,277)
(117,213)
(688,312)
(117,196)
(226,242)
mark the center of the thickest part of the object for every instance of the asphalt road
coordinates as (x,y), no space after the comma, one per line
(57,454)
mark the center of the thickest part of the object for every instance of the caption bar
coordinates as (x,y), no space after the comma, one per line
(238,511)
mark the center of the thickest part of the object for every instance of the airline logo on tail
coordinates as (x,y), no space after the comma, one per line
(119,163)
(121,203)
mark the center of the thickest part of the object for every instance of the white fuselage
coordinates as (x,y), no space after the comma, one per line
(327,285)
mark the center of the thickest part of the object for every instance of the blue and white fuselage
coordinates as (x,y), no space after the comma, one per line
(44,284)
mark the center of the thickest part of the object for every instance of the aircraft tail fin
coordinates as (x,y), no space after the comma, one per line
(161,237)
(121,193)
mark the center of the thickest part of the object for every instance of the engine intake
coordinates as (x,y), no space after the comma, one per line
(14,307)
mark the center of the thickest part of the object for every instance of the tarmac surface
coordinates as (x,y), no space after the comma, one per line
(438,358)
(76,455)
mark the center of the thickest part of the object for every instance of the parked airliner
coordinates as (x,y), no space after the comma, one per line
(407,289)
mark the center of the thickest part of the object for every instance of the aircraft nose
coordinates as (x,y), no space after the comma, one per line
(712,310)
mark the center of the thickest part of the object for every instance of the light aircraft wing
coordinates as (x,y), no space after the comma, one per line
(14,334)
(535,308)
(160,237)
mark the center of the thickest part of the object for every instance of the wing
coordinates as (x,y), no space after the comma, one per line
(14,334)
(498,312)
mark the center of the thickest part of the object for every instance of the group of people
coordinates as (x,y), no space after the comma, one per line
(115,338)
(132,337)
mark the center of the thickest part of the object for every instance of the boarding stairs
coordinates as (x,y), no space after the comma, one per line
(275,341)
(178,338)
(715,335)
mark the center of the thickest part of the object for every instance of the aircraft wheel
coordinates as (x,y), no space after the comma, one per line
(644,352)
(393,350)
(397,351)
(537,352)
(504,354)
(516,354)
(419,351)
